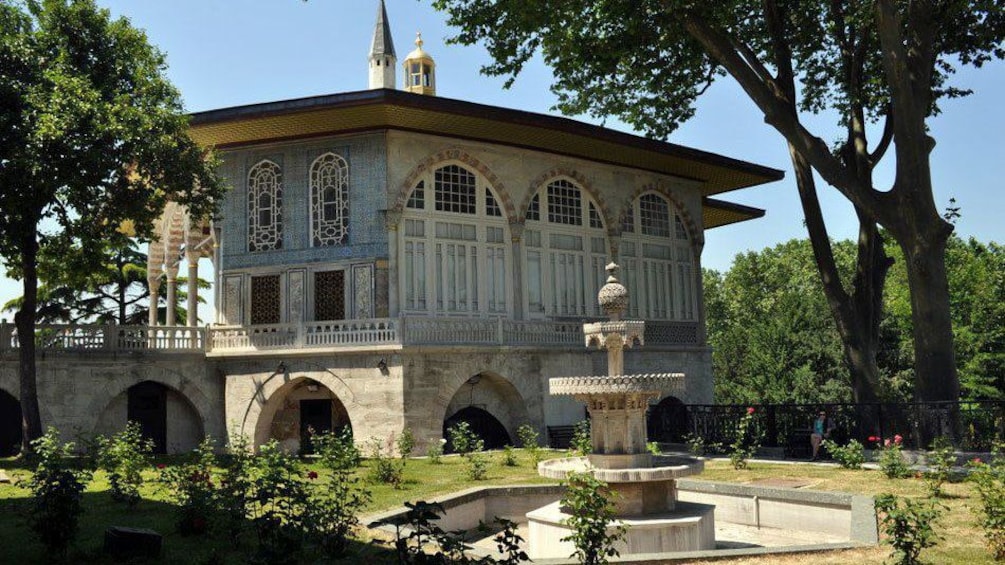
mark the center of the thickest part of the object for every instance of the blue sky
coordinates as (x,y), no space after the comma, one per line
(230,52)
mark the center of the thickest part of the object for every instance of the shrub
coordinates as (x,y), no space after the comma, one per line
(280,500)
(746,440)
(653,448)
(940,460)
(233,498)
(988,479)
(850,456)
(478,465)
(891,458)
(591,515)
(509,456)
(57,491)
(908,526)
(191,487)
(435,451)
(581,442)
(337,452)
(528,437)
(384,468)
(123,457)
(331,513)
(406,443)
(463,439)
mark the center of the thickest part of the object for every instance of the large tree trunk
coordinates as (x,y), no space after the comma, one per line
(24,319)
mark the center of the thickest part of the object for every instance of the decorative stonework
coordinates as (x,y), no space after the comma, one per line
(362,277)
(613,296)
(233,287)
(659,383)
(295,301)
(578,178)
(443,158)
(628,207)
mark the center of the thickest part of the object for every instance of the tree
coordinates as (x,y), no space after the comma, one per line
(115,292)
(647,61)
(91,135)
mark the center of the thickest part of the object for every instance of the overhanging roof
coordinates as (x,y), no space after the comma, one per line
(383,109)
(717,213)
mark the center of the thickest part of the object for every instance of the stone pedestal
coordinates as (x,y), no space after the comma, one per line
(689,527)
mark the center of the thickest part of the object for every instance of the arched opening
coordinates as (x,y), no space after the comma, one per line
(10,425)
(667,421)
(164,414)
(299,410)
(491,405)
(482,423)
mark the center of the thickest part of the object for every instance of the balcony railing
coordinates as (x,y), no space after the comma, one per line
(405,331)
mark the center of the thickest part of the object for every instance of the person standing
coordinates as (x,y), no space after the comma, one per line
(821,429)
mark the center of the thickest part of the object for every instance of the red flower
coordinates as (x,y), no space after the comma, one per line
(976,461)
(312,475)
(873,439)
(161,465)
(886,443)
(750,410)
(897,439)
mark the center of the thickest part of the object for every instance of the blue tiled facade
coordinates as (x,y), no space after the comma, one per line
(367,235)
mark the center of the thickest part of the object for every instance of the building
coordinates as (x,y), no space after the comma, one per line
(390,258)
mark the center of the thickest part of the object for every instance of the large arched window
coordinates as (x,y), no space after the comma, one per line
(329,200)
(454,251)
(265,203)
(565,252)
(658,261)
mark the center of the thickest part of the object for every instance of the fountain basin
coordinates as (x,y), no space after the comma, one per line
(664,467)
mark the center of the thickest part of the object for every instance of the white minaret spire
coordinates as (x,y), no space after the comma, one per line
(382,58)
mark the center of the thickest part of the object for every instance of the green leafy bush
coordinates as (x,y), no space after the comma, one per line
(435,451)
(280,502)
(988,479)
(528,437)
(191,487)
(57,491)
(406,443)
(233,497)
(591,518)
(123,457)
(332,509)
(746,440)
(891,458)
(463,439)
(384,469)
(581,442)
(509,456)
(337,451)
(850,456)
(909,527)
(939,460)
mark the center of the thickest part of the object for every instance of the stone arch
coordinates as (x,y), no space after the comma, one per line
(280,416)
(445,157)
(576,177)
(10,424)
(488,390)
(179,383)
(183,429)
(696,235)
(667,420)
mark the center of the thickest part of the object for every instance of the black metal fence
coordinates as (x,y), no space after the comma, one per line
(788,425)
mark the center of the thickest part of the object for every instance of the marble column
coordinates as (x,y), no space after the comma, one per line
(154,283)
(193,289)
(516,235)
(172,295)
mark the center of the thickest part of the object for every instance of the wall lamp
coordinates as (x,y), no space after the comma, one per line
(281,369)
(382,367)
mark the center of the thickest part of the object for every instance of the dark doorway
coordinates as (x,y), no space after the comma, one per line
(667,421)
(315,418)
(147,406)
(484,424)
(10,425)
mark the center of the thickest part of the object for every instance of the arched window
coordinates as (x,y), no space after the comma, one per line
(329,200)
(265,202)
(658,261)
(565,250)
(454,251)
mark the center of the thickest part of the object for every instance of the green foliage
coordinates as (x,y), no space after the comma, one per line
(57,490)
(435,451)
(939,460)
(478,465)
(909,527)
(582,442)
(337,451)
(746,440)
(891,458)
(653,448)
(406,443)
(850,456)
(463,439)
(280,499)
(528,437)
(190,486)
(591,518)
(123,457)
(988,479)
(384,469)
(509,456)
(697,446)
(331,511)
(233,497)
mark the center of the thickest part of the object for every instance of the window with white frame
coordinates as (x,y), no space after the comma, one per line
(329,200)
(565,250)
(657,261)
(265,203)
(453,251)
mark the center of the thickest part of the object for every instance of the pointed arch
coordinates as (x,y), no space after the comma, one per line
(443,158)
(329,194)
(265,206)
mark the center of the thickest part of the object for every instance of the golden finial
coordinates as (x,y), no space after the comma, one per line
(418,39)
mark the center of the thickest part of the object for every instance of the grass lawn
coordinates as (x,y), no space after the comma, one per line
(962,540)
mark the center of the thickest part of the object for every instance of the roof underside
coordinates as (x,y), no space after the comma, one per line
(374,110)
